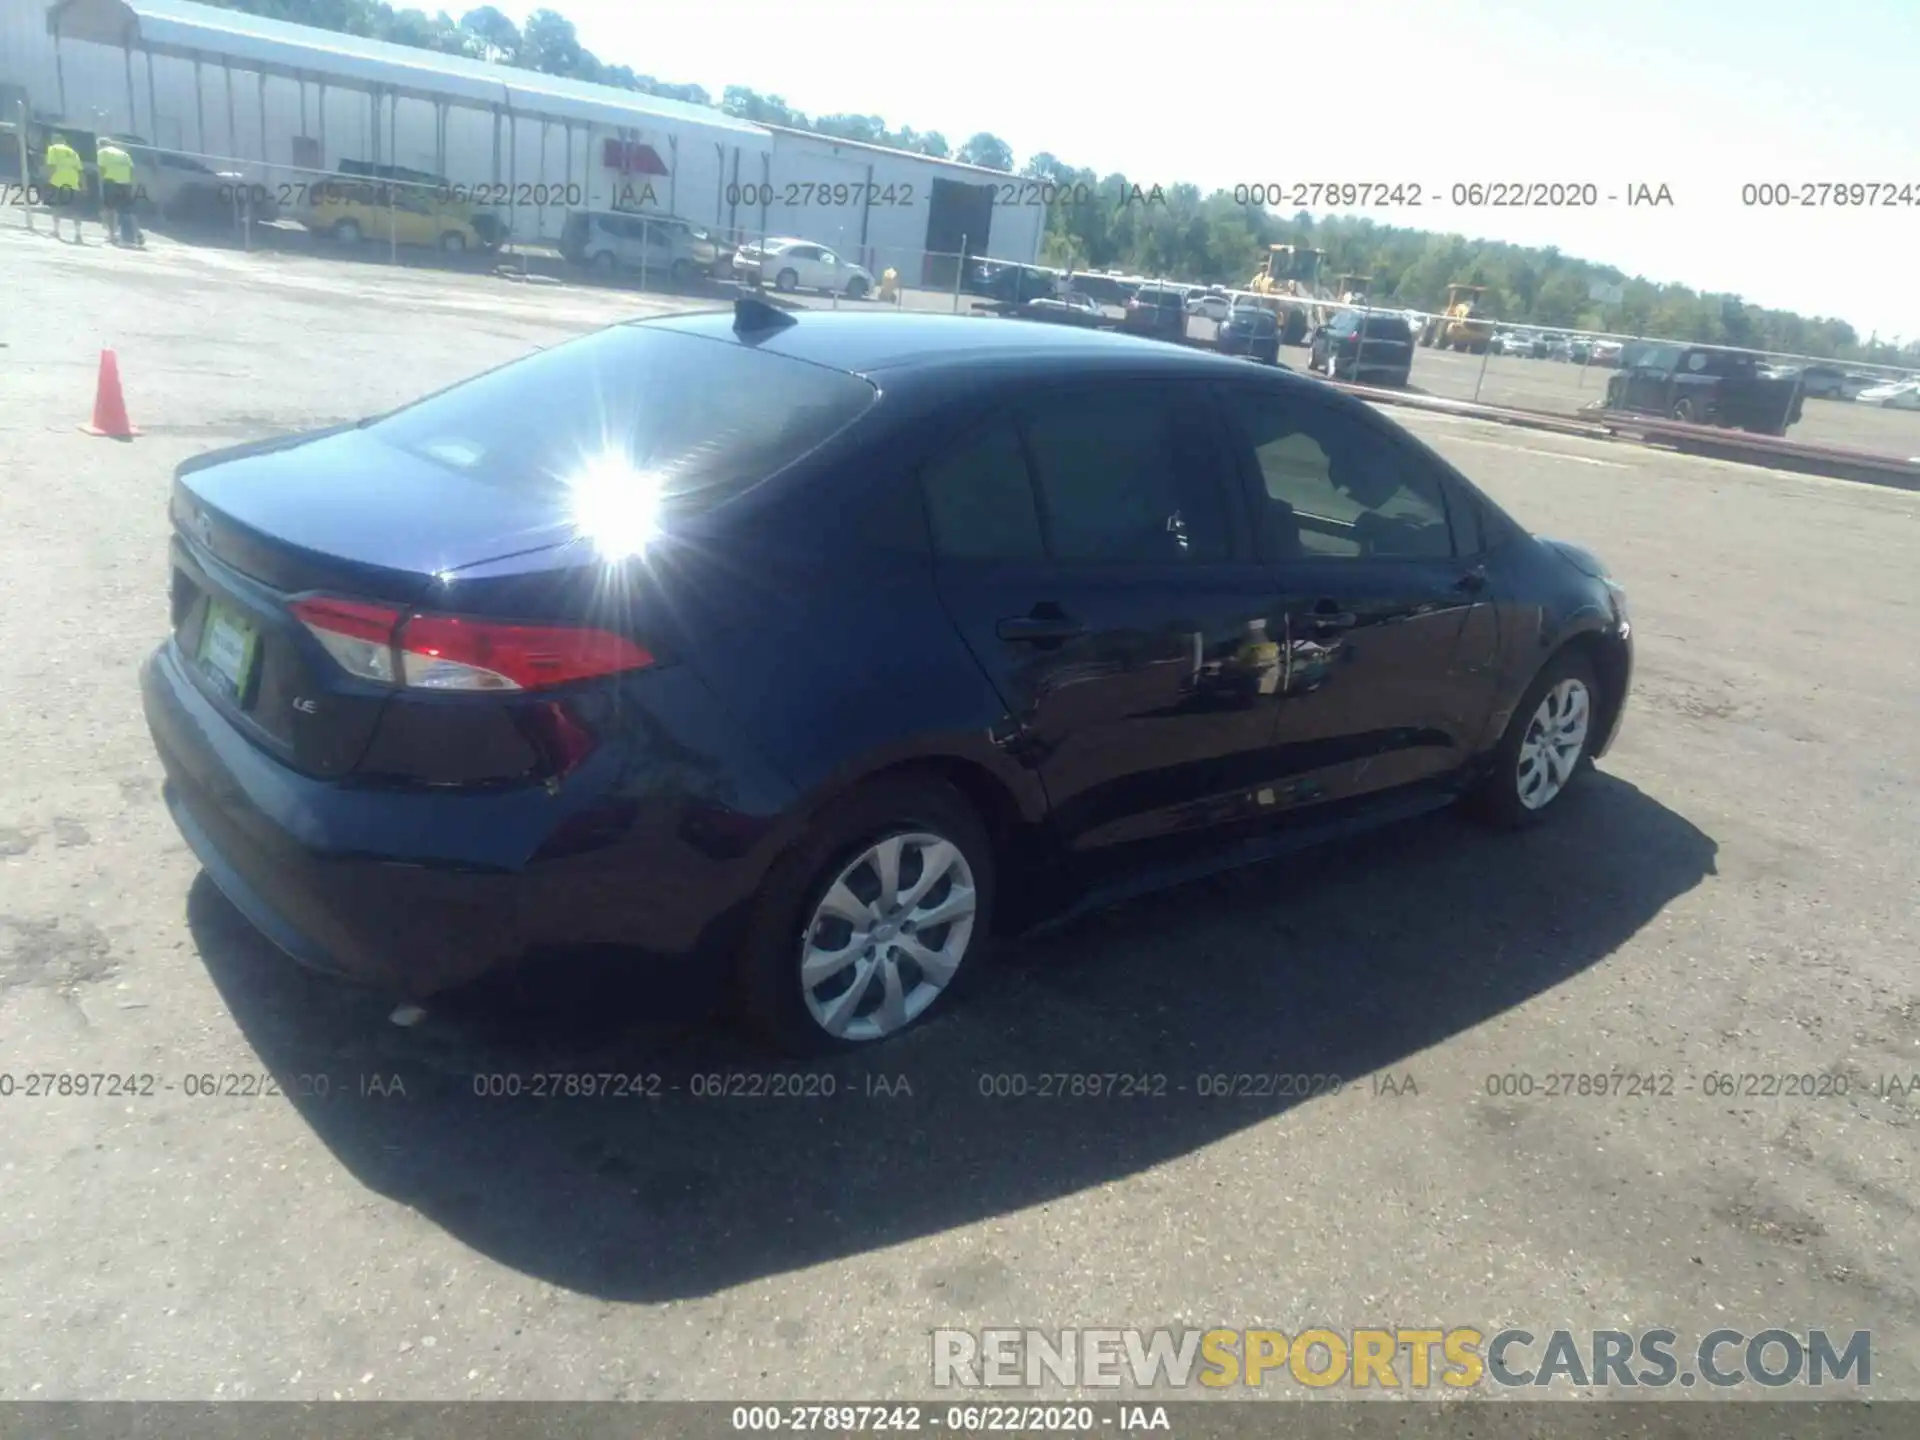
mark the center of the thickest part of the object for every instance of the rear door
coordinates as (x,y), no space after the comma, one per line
(1093,555)
(1390,637)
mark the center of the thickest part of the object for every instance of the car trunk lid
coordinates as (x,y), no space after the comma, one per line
(373,522)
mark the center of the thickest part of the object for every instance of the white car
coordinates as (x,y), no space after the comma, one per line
(790,264)
(1210,306)
(1897,395)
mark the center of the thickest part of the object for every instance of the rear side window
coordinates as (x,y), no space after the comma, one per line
(980,502)
(1123,479)
(632,409)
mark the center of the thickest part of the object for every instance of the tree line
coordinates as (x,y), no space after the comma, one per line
(1176,231)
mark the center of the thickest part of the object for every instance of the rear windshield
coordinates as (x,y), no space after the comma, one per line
(1383,327)
(700,420)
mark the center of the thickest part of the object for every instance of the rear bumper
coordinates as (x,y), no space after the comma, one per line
(418,892)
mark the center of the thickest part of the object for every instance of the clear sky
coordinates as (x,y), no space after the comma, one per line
(1701,95)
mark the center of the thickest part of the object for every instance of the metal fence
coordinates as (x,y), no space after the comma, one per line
(400,217)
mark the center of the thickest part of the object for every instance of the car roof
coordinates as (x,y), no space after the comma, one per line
(866,344)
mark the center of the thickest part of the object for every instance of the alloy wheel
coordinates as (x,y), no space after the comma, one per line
(888,936)
(1555,740)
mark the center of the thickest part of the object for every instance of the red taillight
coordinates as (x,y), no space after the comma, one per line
(459,652)
(454,652)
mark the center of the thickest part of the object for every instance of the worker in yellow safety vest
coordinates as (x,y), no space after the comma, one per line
(65,183)
(117,192)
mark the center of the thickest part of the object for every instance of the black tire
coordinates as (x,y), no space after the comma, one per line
(603,262)
(1495,800)
(454,243)
(682,271)
(856,289)
(346,233)
(787,280)
(1683,412)
(767,972)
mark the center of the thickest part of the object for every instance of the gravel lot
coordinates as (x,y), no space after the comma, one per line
(1734,895)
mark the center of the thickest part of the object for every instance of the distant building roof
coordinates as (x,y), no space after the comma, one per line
(279,47)
(887,150)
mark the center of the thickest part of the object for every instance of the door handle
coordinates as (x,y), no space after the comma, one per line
(1039,629)
(1473,582)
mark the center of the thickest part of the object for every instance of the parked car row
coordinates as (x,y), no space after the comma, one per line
(1829,382)
(1555,345)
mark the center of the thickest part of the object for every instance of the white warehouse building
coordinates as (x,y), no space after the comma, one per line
(285,104)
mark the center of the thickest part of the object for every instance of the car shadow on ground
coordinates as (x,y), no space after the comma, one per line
(1339,962)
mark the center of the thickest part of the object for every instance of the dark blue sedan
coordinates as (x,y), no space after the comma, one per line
(817,649)
(1251,331)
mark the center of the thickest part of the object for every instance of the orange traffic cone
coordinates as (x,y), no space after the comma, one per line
(109,405)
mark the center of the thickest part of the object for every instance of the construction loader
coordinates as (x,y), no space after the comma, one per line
(1460,326)
(1290,273)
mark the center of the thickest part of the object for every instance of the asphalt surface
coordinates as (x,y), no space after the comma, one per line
(1733,895)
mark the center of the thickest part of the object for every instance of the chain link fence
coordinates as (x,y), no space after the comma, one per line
(389,215)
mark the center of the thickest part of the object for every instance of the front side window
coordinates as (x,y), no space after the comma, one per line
(1334,488)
